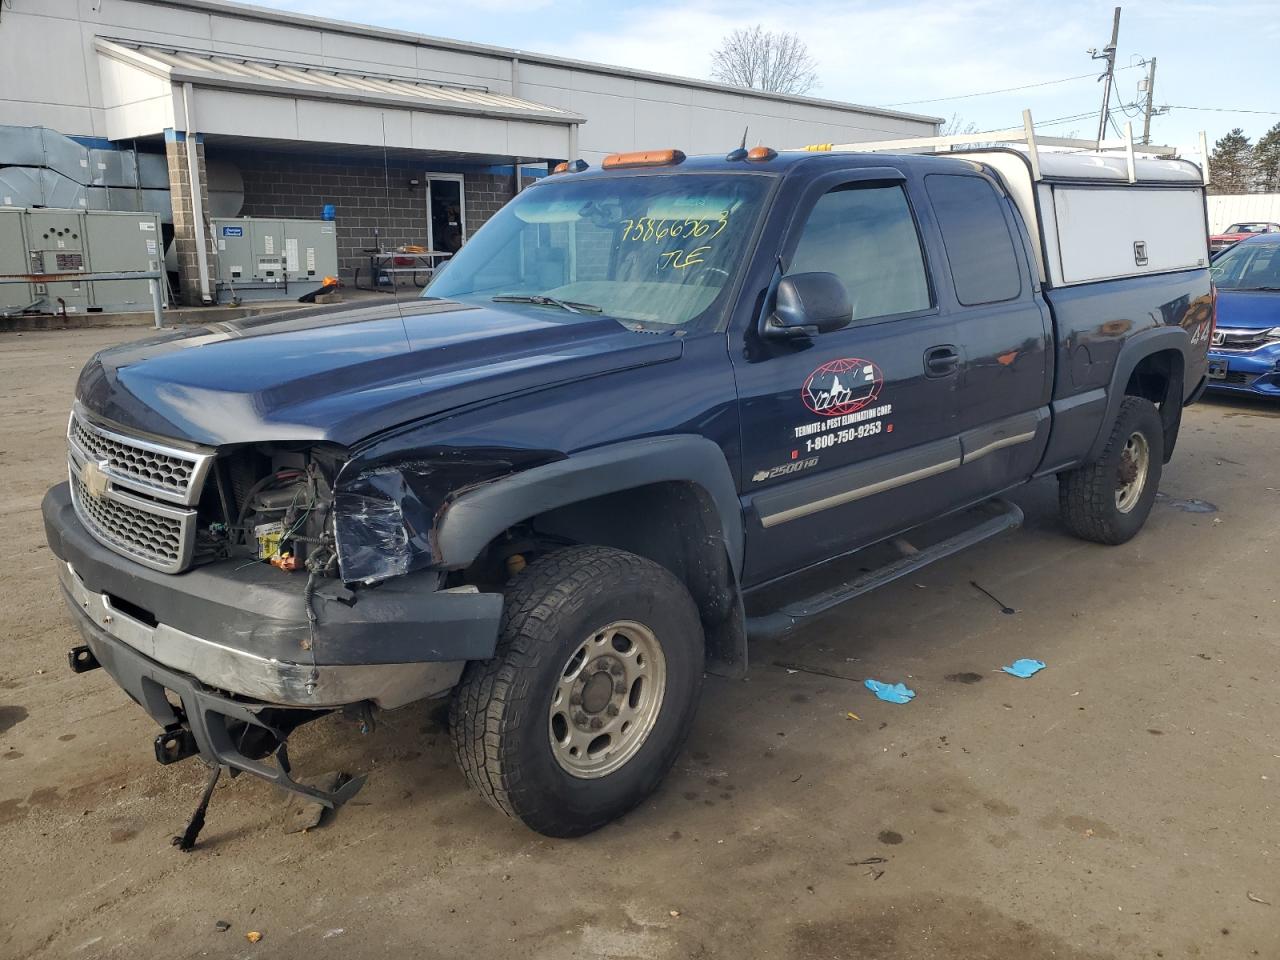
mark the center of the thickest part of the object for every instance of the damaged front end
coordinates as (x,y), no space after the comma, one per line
(269,585)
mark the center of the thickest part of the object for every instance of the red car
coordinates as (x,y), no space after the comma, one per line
(1237,232)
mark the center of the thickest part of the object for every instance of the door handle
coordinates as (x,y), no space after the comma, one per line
(941,361)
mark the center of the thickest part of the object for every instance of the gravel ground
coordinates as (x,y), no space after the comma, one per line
(1121,804)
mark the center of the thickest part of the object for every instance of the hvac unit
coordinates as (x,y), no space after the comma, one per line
(14,260)
(55,244)
(267,259)
(48,241)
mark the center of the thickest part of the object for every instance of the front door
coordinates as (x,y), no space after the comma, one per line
(851,435)
(446,213)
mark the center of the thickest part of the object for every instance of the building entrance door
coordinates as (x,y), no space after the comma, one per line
(446,212)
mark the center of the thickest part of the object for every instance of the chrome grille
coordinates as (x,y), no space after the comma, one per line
(146,493)
(1242,340)
(150,538)
(157,470)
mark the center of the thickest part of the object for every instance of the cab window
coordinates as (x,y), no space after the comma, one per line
(867,237)
(980,250)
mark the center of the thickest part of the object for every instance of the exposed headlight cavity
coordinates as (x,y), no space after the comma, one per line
(376,537)
(385,512)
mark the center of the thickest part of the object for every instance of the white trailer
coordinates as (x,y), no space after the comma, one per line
(1226,209)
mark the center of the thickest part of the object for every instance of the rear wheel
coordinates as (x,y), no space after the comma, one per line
(590,693)
(1108,501)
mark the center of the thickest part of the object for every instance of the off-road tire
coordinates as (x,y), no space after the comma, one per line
(1087,495)
(499,716)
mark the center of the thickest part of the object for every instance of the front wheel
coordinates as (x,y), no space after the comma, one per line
(1108,501)
(590,693)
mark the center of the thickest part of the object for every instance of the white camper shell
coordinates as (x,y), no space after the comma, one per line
(1096,215)
(1092,223)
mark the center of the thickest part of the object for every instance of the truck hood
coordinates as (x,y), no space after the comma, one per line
(1248,309)
(343,374)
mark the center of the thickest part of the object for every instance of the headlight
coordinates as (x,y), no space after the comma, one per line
(385,513)
(379,525)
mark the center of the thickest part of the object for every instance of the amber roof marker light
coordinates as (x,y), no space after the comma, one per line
(643,158)
(761,153)
(569,166)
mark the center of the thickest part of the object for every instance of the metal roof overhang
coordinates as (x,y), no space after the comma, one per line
(266,100)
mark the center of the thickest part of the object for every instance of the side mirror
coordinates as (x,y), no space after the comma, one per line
(807,304)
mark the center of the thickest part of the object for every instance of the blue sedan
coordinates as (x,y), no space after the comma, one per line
(1244,356)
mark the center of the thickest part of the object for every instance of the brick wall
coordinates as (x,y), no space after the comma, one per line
(184,233)
(366,197)
(485,195)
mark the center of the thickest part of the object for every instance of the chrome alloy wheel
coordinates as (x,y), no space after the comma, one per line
(607,699)
(1131,478)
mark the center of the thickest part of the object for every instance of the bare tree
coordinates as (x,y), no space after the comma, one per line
(957,125)
(765,60)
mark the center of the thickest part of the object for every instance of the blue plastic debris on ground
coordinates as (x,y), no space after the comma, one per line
(1024,668)
(892,692)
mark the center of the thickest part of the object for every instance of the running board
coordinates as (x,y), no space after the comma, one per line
(783,621)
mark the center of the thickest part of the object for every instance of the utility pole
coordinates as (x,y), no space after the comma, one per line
(1151,92)
(1108,54)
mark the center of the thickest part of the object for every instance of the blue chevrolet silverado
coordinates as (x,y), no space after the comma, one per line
(557,488)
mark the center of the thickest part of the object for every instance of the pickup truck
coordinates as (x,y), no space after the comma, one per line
(639,400)
(1237,232)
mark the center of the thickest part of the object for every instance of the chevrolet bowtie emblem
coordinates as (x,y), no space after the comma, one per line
(94,480)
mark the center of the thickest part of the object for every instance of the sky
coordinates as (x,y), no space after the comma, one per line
(920,56)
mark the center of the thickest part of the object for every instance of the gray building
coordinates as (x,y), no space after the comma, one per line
(413,139)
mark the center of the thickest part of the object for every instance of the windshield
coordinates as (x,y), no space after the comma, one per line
(652,251)
(1252,265)
(1247,228)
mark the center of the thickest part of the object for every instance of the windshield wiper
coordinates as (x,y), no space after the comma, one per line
(545,301)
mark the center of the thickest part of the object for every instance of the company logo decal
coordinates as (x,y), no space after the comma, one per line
(842,386)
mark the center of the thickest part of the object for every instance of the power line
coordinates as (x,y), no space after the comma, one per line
(988,93)
(1131,110)
(1268,113)
(1070,118)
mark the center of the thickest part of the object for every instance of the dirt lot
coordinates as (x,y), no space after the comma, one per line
(1123,803)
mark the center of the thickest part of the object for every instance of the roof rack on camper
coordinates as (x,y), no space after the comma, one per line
(1024,135)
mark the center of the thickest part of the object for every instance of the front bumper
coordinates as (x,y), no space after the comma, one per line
(244,630)
(1257,372)
(226,732)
